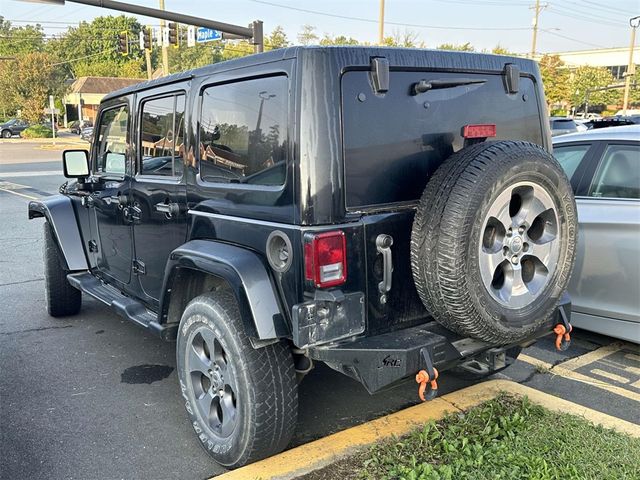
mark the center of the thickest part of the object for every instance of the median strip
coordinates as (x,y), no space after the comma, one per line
(314,455)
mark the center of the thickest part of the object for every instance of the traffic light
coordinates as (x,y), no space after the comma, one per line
(145,38)
(123,43)
(173,34)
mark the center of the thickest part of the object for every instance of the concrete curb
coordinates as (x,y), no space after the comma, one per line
(317,454)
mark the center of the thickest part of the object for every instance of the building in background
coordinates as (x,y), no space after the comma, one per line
(615,59)
(85,94)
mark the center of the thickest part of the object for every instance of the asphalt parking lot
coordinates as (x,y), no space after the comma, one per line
(93,396)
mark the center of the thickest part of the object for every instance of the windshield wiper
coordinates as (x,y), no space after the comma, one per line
(424,85)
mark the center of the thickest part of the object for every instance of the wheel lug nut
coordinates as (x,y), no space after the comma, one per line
(514,259)
(521,229)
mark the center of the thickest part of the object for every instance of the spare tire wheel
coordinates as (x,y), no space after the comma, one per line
(494,239)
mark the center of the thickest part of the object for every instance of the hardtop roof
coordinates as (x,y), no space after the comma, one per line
(352,56)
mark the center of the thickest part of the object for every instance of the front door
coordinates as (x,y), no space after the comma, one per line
(112,245)
(158,191)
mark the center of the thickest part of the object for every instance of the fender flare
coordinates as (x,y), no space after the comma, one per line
(58,210)
(245,273)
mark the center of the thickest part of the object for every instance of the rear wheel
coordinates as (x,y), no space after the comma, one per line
(242,402)
(62,298)
(493,241)
(6,134)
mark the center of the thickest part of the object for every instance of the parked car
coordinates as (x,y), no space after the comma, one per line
(87,134)
(562,126)
(604,168)
(271,211)
(77,126)
(12,127)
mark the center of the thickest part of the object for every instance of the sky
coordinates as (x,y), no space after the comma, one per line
(564,25)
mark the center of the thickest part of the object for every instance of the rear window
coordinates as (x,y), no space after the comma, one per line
(243,132)
(563,123)
(394,142)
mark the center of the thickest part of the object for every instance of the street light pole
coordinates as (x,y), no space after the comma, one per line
(633,22)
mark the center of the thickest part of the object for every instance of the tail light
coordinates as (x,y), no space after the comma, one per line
(325,259)
(479,131)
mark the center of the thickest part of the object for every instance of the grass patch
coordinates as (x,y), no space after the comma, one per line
(505,438)
(37,131)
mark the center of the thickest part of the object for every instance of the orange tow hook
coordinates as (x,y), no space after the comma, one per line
(422,377)
(563,336)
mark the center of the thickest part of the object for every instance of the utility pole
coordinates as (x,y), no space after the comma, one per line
(537,9)
(381,24)
(165,49)
(631,68)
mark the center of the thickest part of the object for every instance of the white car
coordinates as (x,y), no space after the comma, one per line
(604,168)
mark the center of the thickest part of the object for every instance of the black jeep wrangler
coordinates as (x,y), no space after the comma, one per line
(390,212)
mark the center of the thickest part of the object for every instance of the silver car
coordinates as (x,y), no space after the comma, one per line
(604,168)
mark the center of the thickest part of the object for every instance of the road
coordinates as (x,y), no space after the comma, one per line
(94,396)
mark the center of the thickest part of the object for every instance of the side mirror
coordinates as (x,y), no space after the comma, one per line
(75,163)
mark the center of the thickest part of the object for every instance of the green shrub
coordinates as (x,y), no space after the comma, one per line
(37,131)
(559,112)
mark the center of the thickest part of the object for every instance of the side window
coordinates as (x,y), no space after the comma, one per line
(570,157)
(243,132)
(112,141)
(618,174)
(162,136)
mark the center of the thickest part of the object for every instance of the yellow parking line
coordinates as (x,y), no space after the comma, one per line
(632,356)
(30,197)
(314,455)
(610,376)
(579,377)
(636,384)
(594,356)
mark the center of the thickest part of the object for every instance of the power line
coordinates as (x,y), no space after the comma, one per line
(573,16)
(398,24)
(608,8)
(550,32)
(596,16)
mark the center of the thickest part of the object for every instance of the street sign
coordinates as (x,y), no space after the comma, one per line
(49,111)
(207,35)
(191,36)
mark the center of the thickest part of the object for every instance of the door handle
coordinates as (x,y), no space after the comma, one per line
(383,245)
(119,200)
(169,209)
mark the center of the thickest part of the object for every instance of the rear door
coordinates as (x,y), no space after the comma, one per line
(158,194)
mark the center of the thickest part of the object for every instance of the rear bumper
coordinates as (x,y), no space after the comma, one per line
(382,360)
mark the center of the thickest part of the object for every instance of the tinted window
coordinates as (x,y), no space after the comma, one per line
(618,175)
(394,142)
(559,124)
(161,136)
(112,141)
(570,157)
(243,132)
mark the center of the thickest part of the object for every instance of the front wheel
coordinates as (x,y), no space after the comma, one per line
(6,134)
(62,298)
(242,402)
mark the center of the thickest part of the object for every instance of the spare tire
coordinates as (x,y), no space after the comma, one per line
(494,240)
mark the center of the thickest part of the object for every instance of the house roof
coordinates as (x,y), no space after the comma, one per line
(101,85)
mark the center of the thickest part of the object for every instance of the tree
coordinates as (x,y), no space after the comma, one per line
(308,35)
(339,40)
(96,43)
(463,47)
(500,50)
(30,81)
(276,39)
(15,41)
(555,78)
(406,39)
(586,78)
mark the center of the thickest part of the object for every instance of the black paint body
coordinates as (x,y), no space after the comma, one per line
(358,161)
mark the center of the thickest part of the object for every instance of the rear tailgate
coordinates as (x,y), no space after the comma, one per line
(393,142)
